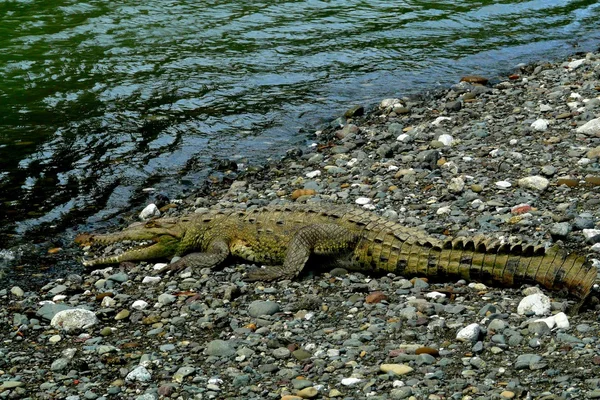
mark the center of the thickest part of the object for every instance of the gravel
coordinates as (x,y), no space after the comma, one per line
(517,158)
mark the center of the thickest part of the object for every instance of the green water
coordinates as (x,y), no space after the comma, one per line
(101,99)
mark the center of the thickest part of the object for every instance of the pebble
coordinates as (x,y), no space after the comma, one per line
(150,211)
(396,369)
(74,320)
(590,128)
(540,125)
(538,304)
(469,333)
(258,308)
(503,184)
(538,183)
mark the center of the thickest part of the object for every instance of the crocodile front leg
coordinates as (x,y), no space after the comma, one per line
(216,252)
(320,239)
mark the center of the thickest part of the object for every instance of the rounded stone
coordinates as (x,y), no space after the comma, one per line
(260,307)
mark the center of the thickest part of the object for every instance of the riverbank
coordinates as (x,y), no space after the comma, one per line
(513,158)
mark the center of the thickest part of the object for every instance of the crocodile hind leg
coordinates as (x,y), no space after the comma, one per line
(215,254)
(321,239)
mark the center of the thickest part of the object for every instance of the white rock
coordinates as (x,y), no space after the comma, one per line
(545,108)
(540,125)
(583,161)
(313,174)
(150,211)
(404,138)
(139,374)
(575,64)
(443,210)
(17,291)
(559,320)
(151,279)
(591,127)
(139,305)
(503,184)
(596,248)
(456,185)
(590,233)
(159,266)
(537,303)
(446,139)
(477,286)
(535,182)
(362,201)
(59,297)
(439,120)
(469,333)
(435,295)
(562,321)
(387,103)
(108,302)
(350,381)
(352,162)
(74,319)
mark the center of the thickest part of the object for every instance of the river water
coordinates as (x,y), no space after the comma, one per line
(101,99)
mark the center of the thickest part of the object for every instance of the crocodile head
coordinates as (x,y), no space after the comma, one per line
(163,235)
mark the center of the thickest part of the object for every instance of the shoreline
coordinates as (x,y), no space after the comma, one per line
(519,158)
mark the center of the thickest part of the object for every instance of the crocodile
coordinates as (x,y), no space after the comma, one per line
(285,237)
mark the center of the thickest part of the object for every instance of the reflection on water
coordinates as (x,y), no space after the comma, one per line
(100,99)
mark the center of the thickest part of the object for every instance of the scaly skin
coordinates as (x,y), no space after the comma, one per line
(285,236)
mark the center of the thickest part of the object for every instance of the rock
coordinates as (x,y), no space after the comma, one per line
(576,64)
(149,211)
(259,307)
(48,311)
(559,320)
(446,139)
(469,333)
(396,369)
(17,291)
(362,201)
(538,304)
(220,348)
(166,299)
(593,153)
(560,230)
(350,381)
(453,106)
(540,125)
(308,393)
(376,297)
(528,361)
(73,320)
(355,111)
(537,182)
(590,128)
(182,373)
(138,374)
(474,79)
(503,184)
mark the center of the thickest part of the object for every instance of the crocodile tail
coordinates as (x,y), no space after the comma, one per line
(513,265)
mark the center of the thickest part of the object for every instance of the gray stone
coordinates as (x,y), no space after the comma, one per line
(260,307)
(73,320)
(220,348)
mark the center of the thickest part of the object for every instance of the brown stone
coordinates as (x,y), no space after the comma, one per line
(376,297)
(474,79)
(427,350)
(570,182)
(592,180)
(302,192)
